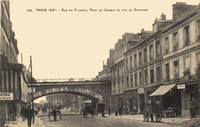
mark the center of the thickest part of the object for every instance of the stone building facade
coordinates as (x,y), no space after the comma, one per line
(181,47)
(13,78)
(118,75)
(166,57)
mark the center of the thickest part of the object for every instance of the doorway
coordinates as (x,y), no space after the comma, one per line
(141,103)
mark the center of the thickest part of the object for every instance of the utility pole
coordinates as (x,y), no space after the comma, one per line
(32,89)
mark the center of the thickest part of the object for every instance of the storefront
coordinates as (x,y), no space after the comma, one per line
(117,101)
(11,83)
(141,100)
(190,93)
(131,101)
(147,91)
(170,98)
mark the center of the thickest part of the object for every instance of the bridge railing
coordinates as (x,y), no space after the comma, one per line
(66,80)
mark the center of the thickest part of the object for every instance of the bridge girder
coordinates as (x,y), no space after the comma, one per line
(92,90)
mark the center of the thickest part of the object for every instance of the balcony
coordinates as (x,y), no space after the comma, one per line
(166,51)
(175,47)
(135,65)
(176,76)
(158,55)
(167,79)
(186,42)
(151,58)
(145,60)
(186,74)
(198,37)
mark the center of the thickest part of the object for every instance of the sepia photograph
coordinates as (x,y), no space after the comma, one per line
(100,63)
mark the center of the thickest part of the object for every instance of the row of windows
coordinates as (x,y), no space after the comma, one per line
(134,81)
(142,55)
(172,42)
(153,74)
(132,60)
(176,65)
(178,37)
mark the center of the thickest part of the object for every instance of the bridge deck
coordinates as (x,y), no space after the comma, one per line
(47,82)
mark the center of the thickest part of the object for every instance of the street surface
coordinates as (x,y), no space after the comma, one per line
(76,120)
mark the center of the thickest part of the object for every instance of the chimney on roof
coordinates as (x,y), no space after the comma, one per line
(181,9)
(163,17)
(142,30)
(160,23)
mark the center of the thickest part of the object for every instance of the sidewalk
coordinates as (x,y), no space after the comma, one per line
(20,123)
(176,120)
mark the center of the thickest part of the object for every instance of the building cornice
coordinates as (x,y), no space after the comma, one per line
(181,21)
(180,53)
(117,62)
(144,43)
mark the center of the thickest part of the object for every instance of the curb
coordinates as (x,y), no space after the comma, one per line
(39,122)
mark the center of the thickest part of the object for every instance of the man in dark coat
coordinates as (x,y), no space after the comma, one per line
(29,114)
(23,113)
(150,105)
(193,109)
(54,113)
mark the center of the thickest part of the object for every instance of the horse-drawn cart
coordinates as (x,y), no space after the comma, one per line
(93,108)
(153,110)
(100,108)
(88,108)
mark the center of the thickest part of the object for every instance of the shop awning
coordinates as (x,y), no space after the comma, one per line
(162,90)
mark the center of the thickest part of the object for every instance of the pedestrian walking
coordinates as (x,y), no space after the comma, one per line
(150,106)
(126,109)
(158,115)
(54,112)
(29,114)
(109,111)
(120,111)
(59,112)
(146,114)
(116,111)
(23,114)
(193,109)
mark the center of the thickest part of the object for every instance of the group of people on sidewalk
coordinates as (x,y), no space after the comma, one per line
(193,109)
(151,110)
(55,112)
(27,113)
(155,109)
(118,111)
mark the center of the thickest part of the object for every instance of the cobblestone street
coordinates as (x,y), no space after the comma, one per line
(76,120)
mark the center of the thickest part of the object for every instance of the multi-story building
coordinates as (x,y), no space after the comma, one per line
(159,65)
(181,56)
(13,79)
(118,70)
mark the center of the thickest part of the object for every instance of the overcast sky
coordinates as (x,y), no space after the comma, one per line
(75,44)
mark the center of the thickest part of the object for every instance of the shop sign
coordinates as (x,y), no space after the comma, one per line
(6,96)
(140,90)
(182,86)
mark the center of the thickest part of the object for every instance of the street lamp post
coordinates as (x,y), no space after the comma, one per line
(32,89)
